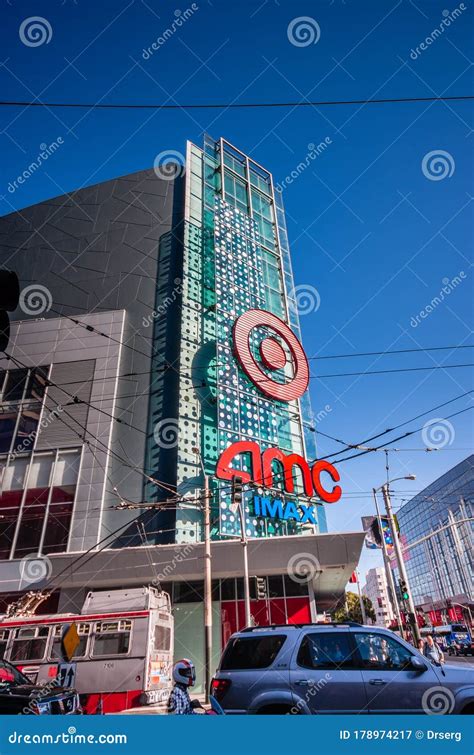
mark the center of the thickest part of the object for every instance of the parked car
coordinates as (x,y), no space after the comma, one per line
(335,668)
(465,649)
(18,695)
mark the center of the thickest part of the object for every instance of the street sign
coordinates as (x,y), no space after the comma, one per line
(70,641)
(67,674)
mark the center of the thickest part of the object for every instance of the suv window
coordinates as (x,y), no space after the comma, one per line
(325,650)
(252,652)
(377,651)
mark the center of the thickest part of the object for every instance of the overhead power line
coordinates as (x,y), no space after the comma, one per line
(394,440)
(362,443)
(391,429)
(215,366)
(227,105)
(392,351)
(400,369)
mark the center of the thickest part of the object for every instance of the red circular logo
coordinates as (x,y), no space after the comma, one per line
(272,354)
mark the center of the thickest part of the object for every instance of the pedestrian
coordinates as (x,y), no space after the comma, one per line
(184,676)
(421,645)
(432,651)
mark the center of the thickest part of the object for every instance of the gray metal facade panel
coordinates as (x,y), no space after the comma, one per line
(92,364)
(96,251)
(72,381)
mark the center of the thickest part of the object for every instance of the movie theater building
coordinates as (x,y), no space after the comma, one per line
(157,347)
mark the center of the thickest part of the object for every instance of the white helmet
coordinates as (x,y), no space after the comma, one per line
(184,672)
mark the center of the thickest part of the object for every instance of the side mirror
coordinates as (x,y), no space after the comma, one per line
(417,664)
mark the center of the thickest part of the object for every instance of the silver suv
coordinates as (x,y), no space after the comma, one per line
(335,668)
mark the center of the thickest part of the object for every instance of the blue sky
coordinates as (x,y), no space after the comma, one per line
(371,231)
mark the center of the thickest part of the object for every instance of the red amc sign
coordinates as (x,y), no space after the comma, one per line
(262,471)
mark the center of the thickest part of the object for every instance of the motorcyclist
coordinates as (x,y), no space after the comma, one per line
(184,676)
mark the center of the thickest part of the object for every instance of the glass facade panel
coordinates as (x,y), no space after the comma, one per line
(236,258)
(441,567)
(37,502)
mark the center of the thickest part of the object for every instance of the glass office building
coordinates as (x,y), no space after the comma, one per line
(441,568)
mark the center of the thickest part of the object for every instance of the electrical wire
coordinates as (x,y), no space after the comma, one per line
(105,448)
(403,369)
(228,105)
(348,446)
(392,351)
(215,366)
(76,400)
(390,429)
(400,437)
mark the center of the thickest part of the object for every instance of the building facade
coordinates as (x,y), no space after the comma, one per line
(376,589)
(441,567)
(157,344)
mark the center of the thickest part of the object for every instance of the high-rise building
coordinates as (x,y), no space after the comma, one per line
(376,589)
(441,565)
(157,343)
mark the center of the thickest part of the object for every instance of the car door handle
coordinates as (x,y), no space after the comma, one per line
(305,682)
(377,682)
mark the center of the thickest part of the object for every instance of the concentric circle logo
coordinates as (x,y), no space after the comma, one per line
(272,355)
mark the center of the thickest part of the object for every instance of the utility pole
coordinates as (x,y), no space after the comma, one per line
(401,563)
(206,506)
(361,601)
(388,571)
(237,504)
(244,541)
(207,589)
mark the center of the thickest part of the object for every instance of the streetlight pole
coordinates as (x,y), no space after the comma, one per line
(401,562)
(207,589)
(388,571)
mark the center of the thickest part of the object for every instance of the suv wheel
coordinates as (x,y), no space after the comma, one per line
(278,710)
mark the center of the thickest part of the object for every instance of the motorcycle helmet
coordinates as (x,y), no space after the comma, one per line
(184,672)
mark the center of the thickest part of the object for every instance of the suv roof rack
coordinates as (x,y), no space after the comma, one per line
(304,624)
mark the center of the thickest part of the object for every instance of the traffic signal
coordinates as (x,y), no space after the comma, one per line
(261,588)
(9,297)
(403,589)
(237,492)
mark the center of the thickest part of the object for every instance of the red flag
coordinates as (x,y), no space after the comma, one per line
(353,579)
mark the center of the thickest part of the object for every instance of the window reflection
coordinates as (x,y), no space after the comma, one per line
(37,502)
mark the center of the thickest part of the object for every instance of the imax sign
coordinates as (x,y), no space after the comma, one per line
(278,509)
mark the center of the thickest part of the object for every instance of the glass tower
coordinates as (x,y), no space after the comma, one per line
(235,258)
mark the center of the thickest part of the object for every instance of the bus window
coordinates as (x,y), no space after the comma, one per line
(162,638)
(57,653)
(111,638)
(4,635)
(29,644)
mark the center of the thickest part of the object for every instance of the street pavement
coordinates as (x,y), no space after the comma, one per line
(467,660)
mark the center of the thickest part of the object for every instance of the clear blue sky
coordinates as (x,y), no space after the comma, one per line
(368,229)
